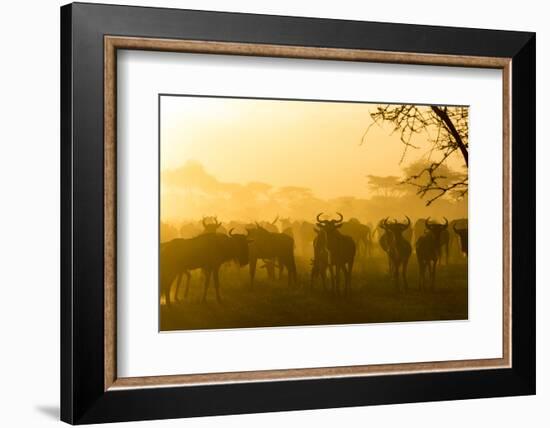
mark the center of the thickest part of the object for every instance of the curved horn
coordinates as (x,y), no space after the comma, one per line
(204,222)
(276,218)
(446,222)
(319,220)
(408,222)
(385,222)
(427,223)
(216,222)
(230,233)
(340,219)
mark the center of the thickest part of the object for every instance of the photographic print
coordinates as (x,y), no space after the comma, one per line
(287,212)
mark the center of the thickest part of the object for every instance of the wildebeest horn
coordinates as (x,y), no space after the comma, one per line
(408,222)
(230,233)
(385,222)
(340,219)
(446,221)
(276,218)
(427,223)
(216,222)
(319,220)
(204,222)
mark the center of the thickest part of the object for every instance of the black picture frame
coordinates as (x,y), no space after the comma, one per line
(83,397)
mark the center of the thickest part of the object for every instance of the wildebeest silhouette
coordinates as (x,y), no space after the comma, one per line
(341,250)
(207,252)
(270,226)
(398,248)
(462,233)
(320,261)
(274,246)
(420,229)
(360,233)
(428,251)
(212,225)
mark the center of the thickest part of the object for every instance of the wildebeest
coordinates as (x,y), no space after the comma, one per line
(270,226)
(212,225)
(383,241)
(398,248)
(341,250)
(360,233)
(428,251)
(320,261)
(420,229)
(273,246)
(462,233)
(207,252)
(269,265)
(179,280)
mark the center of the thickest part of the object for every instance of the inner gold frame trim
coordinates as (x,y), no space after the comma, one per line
(113,43)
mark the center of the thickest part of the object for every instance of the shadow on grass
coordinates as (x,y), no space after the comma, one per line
(272,303)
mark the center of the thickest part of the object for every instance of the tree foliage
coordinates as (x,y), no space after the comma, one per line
(446,129)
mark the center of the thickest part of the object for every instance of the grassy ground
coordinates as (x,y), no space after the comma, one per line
(272,303)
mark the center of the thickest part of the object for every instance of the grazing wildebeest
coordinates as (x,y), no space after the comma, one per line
(320,262)
(360,233)
(206,252)
(341,250)
(463,236)
(273,246)
(428,251)
(398,248)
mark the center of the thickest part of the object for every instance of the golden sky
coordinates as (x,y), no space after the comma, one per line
(283,143)
(315,145)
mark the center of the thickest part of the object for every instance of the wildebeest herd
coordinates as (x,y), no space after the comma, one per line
(333,247)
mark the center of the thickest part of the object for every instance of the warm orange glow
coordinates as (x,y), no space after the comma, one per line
(249,159)
(243,183)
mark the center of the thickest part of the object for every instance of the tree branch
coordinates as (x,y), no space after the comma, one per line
(450,126)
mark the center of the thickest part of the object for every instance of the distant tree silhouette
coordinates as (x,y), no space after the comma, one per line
(387,186)
(446,129)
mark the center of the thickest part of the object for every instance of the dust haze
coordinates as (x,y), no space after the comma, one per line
(302,213)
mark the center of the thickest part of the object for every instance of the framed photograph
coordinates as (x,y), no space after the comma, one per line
(266,213)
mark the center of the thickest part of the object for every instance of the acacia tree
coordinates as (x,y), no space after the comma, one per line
(446,129)
(384,186)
